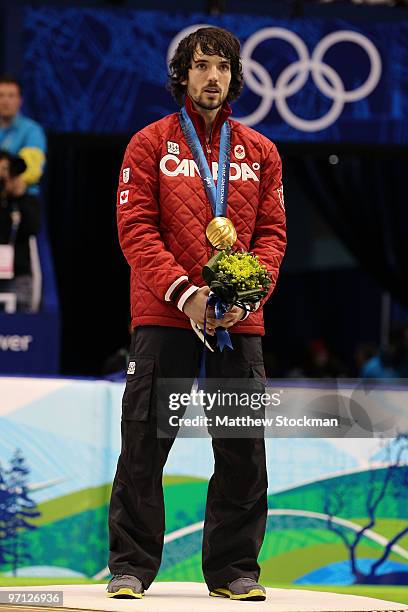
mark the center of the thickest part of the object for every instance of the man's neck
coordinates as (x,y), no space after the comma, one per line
(5,122)
(209,118)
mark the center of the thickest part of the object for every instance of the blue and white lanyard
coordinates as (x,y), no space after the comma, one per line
(218,196)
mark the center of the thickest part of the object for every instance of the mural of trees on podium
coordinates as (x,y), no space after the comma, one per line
(380,483)
(16,510)
(4,516)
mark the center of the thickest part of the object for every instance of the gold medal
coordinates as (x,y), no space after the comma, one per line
(221,232)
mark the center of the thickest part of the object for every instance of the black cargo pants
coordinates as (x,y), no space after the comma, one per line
(236,509)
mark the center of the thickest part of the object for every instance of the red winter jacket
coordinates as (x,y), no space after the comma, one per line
(163,212)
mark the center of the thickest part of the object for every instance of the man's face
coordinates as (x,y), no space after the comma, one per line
(208,80)
(10,100)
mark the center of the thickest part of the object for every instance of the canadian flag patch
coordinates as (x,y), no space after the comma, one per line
(124,196)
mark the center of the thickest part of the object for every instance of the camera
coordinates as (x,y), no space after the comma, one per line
(16,166)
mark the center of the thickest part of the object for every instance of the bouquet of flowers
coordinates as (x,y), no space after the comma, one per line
(237,278)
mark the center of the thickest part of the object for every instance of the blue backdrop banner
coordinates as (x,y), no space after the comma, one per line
(93,70)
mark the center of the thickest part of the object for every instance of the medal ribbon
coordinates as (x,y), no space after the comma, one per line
(223,337)
(218,196)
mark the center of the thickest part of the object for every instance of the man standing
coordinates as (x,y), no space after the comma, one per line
(21,136)
(164,208)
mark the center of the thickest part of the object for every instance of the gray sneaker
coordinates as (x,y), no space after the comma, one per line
(245,589)
(124,586)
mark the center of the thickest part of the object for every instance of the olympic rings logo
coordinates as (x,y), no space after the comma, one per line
(293,77)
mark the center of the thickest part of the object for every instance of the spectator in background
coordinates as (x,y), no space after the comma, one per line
(21,136)
(363,353)
(392,361)
(20,206)
(318,362)
(19,219)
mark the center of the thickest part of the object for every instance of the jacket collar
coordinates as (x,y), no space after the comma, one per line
(199,123)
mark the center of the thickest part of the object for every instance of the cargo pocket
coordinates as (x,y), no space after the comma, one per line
(258,387)
(258,377)
(138,391)
(258,372)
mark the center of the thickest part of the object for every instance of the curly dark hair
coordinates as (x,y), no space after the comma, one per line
(10,80)
(212,41)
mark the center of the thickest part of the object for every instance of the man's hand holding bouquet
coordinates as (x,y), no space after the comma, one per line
(236,280)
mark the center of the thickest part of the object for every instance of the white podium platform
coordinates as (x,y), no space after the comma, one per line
(193,596)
